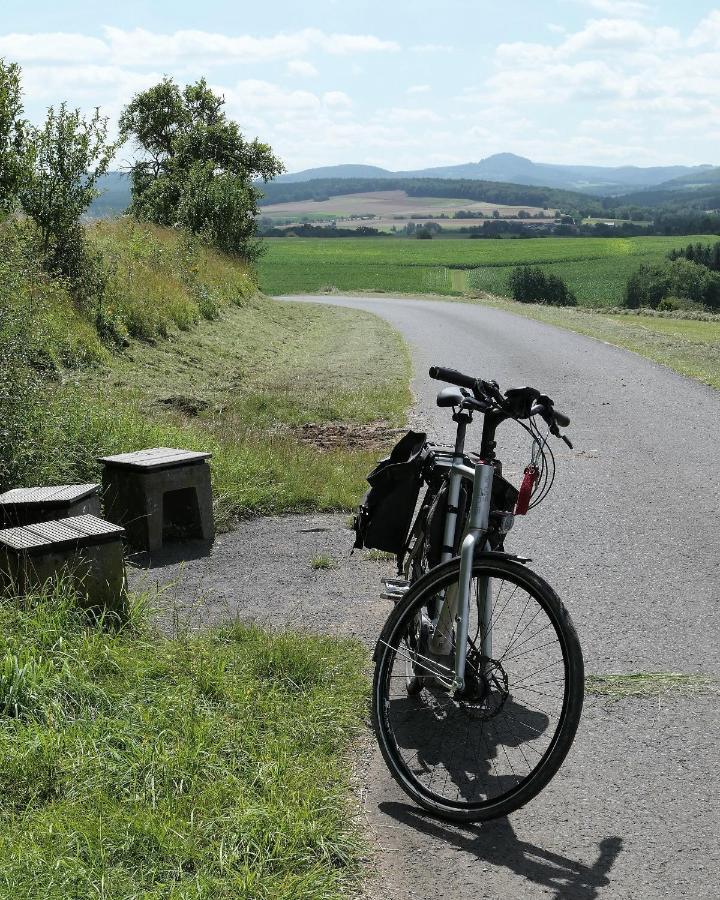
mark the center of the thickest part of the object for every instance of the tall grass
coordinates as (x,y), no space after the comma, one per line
(159,279)
(136,765)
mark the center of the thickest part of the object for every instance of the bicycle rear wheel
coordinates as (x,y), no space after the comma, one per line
(488,752)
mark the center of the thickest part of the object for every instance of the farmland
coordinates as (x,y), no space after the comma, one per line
(596,269)
(385,209)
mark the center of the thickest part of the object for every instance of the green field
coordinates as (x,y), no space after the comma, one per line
(595,268)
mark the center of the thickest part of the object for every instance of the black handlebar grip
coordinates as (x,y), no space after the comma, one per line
(452,376)
(562,420)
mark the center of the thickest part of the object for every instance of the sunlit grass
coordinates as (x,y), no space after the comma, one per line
(135,765)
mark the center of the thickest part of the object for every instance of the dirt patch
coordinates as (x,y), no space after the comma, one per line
(348,436)
(190,406)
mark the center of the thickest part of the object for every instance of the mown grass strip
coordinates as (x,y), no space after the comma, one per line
(208,766)
(644,684)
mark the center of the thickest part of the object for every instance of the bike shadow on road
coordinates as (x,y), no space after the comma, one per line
(496,843)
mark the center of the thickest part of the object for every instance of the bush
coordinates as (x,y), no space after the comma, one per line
(678,304)
(529,284)
(679,278)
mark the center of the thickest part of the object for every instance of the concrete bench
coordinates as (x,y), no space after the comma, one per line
(159,494)
(86,549)
(23,506)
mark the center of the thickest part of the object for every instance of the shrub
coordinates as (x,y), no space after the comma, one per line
(529,284)
(66,157)
(678,278)
(12,136)
(674,304)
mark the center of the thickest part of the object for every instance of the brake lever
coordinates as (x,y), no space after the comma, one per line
(547,416)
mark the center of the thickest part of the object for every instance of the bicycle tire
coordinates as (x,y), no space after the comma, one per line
(384,706)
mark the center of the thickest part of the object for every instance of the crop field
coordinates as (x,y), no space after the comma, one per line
(391,208)
(595,268)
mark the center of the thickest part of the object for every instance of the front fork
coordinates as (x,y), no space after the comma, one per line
(456,606)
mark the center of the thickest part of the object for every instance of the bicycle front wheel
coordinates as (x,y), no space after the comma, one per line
(486,751)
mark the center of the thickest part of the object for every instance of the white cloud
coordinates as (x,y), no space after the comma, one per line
(403,114)
(86,85)
(336,100)
(634,82)
(301,68)
(708,31)
(140,47)
(418,89)
(52,47)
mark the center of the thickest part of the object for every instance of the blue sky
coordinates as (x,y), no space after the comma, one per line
(400,84)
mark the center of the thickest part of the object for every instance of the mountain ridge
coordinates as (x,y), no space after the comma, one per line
(511,168)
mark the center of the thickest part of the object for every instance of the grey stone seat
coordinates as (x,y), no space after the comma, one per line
(23,506)
(159,494)
(85,549)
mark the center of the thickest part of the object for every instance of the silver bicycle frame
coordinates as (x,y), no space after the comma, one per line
(455,608)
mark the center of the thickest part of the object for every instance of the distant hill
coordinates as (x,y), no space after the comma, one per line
(695,190)
(114,196)
(342,171)
(510,168)
(489,179)
(705,178)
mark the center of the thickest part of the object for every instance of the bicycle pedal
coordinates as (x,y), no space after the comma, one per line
(395,589)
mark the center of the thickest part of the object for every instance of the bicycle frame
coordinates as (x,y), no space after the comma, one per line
(455,607)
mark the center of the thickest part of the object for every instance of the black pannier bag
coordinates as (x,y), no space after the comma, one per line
(384,517)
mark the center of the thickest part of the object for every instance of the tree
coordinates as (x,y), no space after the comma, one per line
(529,284)
(681,278)
(65,157)
(196,169)
(12,135)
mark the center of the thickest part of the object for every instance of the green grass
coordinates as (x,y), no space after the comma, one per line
(595,268)
(323,562)
(238,387)
(134,765)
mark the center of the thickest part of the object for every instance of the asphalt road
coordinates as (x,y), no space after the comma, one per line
(630,539)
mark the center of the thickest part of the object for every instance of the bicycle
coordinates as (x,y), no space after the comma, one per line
(479,680)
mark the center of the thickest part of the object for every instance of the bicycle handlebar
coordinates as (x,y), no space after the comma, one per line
(452,376)
(489,389)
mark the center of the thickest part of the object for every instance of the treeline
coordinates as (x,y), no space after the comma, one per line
(323,231)
(705,254)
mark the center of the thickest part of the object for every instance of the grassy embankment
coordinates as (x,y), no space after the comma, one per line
(211,364)
(209,766)
(595,268)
